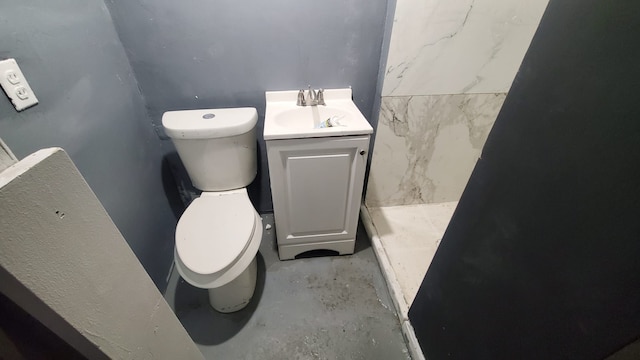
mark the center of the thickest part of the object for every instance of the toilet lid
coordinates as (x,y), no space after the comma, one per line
(214,231)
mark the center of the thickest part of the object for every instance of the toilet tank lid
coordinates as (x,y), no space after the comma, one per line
(209,123)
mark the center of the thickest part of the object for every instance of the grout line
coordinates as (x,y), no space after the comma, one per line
(399,302)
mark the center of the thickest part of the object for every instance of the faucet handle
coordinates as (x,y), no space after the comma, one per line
(320,97)
(301,101)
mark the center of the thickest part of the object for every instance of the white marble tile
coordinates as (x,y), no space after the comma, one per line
(410,237)
(427,146)
(390,277)
(410,266)
(401,222)
(456,47)
(439,215)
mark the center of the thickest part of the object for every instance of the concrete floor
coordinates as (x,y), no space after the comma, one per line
(330,307)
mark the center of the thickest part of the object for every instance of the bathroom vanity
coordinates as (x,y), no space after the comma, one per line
(316,173)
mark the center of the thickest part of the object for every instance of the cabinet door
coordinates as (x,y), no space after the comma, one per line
(317,186)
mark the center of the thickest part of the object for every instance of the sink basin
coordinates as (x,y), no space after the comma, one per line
(285,120)
(308,117)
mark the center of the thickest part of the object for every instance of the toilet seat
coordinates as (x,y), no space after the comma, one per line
(216,235)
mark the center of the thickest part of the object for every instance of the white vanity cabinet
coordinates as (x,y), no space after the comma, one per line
(316,185)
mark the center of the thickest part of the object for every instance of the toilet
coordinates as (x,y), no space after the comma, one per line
(218,235)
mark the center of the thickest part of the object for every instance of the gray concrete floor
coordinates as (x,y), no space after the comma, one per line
(329,307)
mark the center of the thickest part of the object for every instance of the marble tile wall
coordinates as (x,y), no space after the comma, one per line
(449,67)
(458,47)
(427,146)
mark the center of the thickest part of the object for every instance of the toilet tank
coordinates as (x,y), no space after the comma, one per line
(216,146)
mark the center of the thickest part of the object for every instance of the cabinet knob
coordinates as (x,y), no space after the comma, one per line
(362,152)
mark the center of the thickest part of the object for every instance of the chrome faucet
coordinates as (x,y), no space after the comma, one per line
(301,101)
(314,97)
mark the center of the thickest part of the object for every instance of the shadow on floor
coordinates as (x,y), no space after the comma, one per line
(326,307)
(207,326)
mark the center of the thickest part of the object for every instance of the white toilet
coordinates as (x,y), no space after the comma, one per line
(218,236)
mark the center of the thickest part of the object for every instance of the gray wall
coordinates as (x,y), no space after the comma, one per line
(377,101)
(90,105)
(540,259)
(195,54)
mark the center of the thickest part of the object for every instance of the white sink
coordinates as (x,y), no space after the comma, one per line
(308,117)
(285,120)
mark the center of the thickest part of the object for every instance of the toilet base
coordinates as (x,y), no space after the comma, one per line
(236,294)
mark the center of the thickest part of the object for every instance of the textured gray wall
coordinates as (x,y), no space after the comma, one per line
(197,54)
(382,65)
(90,105)
(540,259)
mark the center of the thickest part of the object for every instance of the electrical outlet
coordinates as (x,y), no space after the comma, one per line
(12,77)
(15,85)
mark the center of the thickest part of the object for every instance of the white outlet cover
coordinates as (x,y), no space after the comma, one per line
(15,85)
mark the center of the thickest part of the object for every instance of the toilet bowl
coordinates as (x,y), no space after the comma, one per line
(218,235)
(217,239)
